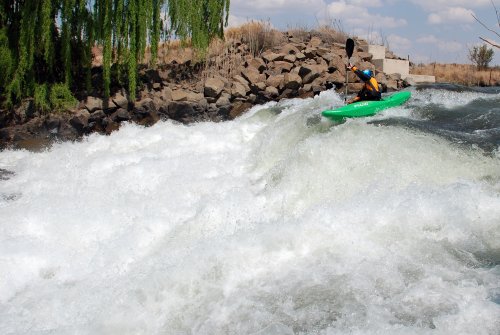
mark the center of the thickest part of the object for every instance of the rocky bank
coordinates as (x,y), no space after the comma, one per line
(297,67)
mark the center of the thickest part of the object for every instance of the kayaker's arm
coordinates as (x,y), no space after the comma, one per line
(359,73)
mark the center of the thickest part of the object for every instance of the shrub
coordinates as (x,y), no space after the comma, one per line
(41,98)
(481,56)
(6,60)
(61,98)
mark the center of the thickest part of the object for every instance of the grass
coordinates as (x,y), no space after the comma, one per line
(464,74)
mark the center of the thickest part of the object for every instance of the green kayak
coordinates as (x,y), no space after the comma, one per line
(367,108)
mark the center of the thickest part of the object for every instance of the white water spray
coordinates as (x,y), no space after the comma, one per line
(276,223)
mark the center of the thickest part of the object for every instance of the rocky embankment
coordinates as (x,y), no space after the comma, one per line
(180,91)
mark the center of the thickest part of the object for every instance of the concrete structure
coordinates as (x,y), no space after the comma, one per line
(377,51)
(419,78)
(392,66)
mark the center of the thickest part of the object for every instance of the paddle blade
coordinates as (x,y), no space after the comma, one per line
(349,47)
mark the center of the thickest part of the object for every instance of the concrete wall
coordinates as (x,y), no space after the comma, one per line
(378,51)
(420,78)
(390,66)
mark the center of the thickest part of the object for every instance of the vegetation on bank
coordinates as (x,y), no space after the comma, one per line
(463,74)
(48,43)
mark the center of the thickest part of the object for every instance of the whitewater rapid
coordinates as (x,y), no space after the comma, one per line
(279,222)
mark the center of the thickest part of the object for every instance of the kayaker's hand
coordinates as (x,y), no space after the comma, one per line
(349,66)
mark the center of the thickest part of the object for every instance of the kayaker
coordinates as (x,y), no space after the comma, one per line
(371,89)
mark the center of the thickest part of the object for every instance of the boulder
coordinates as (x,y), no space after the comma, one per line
(272,57)
(272,91)
(120,101)
(239,108)
(279,67)
(80,121)
(315,42)
(289,49)
(253,76)
(93,104)
(213,87)
(166,94)
(120,115)
(290,58)
(179,95)
(292,81)
(180,110)
(238,90)
(223,100)
(257,63)
(276,81)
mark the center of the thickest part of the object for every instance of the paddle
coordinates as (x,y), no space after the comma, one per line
(349,49)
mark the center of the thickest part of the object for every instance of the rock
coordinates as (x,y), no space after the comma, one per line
(25,111)
(213,87)
(292,81)
(223,100)
(253,76)
(310,72)
(300,56)
(97,116)
(180,110)
(272,57)
(322,51)
(120,101)
(276,81)
(310,53)
(93,104)
(80,121)
(279,67)
(289,49)
(272,91)
(156,86)
(111,127)
(239,109)
(52,124)
(290,58)
(238,90)
(315,42)
(337,64)
(120,115)
(257,63)
(179,95)
(166,94)
(365,56)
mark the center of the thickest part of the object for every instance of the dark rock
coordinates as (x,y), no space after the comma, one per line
(80,121)
(97,116)
(52,124)
(239,109)
(180,110)
(213,87)
(292,81)
(120,115)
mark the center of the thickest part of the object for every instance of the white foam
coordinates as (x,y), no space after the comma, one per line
(277,222)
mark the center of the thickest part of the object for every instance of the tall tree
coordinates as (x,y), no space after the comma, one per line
(50,41)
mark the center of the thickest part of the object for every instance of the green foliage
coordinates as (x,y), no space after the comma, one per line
(51,41)
(6,60)
(41,98)
(481,56)
(61,98)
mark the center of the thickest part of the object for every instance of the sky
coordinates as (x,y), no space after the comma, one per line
(425,30)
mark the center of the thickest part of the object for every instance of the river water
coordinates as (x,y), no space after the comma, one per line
(279,222)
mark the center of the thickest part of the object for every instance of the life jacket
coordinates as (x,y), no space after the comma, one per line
(371,89)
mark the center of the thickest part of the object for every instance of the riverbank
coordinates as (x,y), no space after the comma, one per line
(253,66)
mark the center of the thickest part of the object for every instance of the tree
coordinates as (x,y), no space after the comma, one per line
(50,41)
(487,40)
(481,56)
